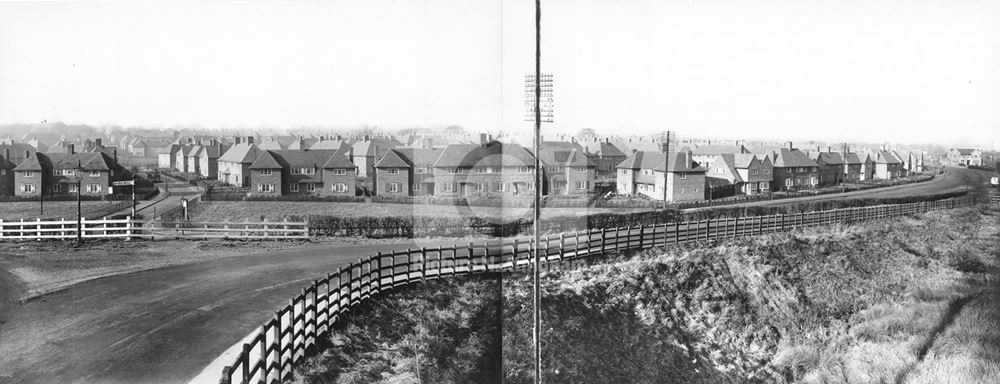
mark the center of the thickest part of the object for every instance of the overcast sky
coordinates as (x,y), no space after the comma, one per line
(907,70)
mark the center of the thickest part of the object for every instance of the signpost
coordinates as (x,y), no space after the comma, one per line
(124,183)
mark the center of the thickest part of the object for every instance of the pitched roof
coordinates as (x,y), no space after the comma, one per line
(329,144)
(272,145)
(339,160)
(29,164)
(393,159)
(468,155)
(855,158)
(241,153)
(88,160)
(421,157)
(654,160)
(608,149)
(791,158)
(728,160)
(744,160)
(567,156)
(965,151)
(885,157)
(266,160)
(833,158)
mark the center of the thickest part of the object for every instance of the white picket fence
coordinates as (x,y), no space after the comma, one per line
(128,228)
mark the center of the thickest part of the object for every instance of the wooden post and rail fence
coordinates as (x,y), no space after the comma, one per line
(129,228)
(281,343)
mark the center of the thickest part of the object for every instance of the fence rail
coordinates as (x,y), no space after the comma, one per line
(128,228)
(282,342)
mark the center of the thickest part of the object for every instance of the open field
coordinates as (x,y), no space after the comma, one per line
(274,210)
(28,210)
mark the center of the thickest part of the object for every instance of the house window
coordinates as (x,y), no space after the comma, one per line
(311,187)
(294,187)
(789,182)
(449,187)
(56,188)
(93,188)
(237,178)
(625,172)
(29,174)
(263,172)
(95,173)
(581,170)
(417,187)
(647,172)
(28,188)
(393,171)
(682,176)
(340,172)
(754,172)
(393,187)
(582,184)
(813,181)
(763,186)
(523,170)
(72,188)
(340,187)
(719,170)
(480,187)
(501,186)
(767,171)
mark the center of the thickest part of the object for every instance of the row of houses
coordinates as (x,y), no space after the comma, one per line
(28,173)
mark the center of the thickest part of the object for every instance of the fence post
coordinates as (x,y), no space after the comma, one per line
(604,245)
(38,228)
(128,228)
(471,249)
(246,362)
(378,273)
(513,255)
(423,263)
(562,247)
(225,375)
(2,228)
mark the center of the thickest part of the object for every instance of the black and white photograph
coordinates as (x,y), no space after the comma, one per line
(500,191)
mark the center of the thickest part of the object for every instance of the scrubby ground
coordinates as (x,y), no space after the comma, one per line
(911,300)
(884,302)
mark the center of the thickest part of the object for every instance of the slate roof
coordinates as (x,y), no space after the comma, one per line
(329,144)
(831,158)
(791,158)
(654,160)
(469,155)
(90,161)
(292,159)
(393,159)
(743,160)
(608,149)
(965,151)
(241,153)
(855,158)
(29,164)
(885,157)
(339,160)
(728,160)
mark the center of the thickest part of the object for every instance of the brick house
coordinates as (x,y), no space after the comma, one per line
(606,157)
(406,172)
(913,161)
(747,172)
(792,170)
(206,159)
(964,157)
(166,157)
(234,164)
(369,150)
(490,169)
(6,174)
(887,165)
(643,173)
(56,173)
(568,171)
(831,167)
(301,172)
(857,167)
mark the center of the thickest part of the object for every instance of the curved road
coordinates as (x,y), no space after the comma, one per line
(165,325)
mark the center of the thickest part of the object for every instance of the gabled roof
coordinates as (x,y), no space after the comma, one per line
(29,164)
(272,145)
(88,160)
(832,158)
(885,157)
(469,155)
(196,151)
(855,158)
(728,161)
(266,160)
(792,158)
(241,153)
(421,157)
(292,159)
(744,160)
(654,160)
(393,159)
(567,156)
(965,151)
(339,160)
(607,149)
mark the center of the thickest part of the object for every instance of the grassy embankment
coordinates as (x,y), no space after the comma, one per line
(913,300)
(17,210)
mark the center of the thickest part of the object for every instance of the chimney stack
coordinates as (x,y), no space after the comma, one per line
(98,144)
(116,155)
(790,146)
(249,139)
(350,154)
(482,139)
(71,149)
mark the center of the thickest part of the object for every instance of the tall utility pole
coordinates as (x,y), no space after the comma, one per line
(666,167)
(536,272)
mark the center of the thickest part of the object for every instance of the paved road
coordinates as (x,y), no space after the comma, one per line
(159,326)
(168,197)
(164,326)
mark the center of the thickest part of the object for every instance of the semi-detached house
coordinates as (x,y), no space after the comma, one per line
(303,172)
(643,173)
(57,174)
(490,169)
